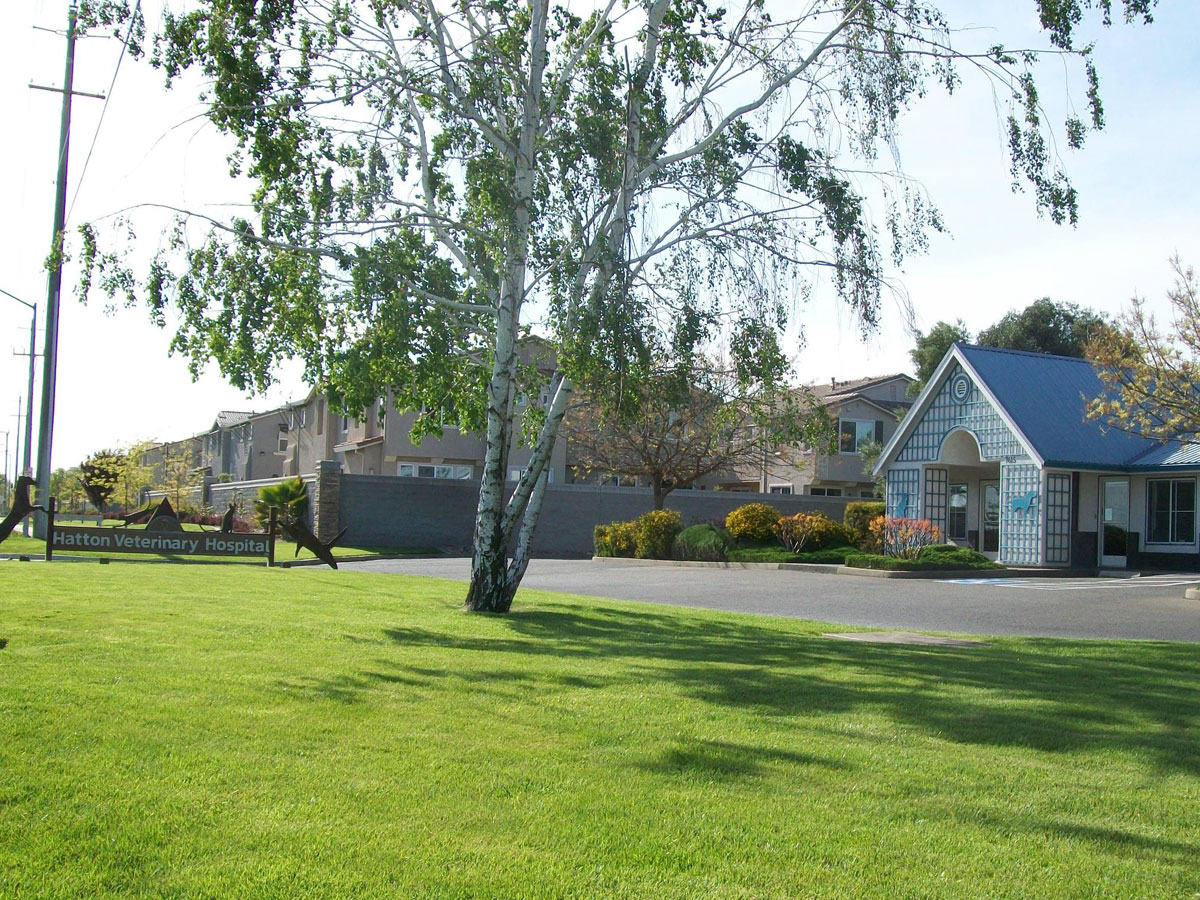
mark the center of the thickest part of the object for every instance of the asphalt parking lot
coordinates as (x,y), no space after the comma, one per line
(1151,607)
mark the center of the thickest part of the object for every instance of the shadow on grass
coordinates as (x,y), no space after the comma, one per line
(1045,694)
(722,759)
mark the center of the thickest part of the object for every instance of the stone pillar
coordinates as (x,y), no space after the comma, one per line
(327,500)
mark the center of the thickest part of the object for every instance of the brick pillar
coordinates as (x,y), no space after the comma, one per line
(327,500)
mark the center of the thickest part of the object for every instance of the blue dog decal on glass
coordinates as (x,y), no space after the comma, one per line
(1023,503)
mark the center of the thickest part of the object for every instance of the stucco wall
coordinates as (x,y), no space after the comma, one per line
(382,511)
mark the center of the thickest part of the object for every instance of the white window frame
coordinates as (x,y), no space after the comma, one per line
(780,489)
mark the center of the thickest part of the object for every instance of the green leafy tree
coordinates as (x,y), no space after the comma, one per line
(100,474)
(1150,374)
(1044,326)
(66,487)
(932,347)
(431,180)
(134,476)
(178,472)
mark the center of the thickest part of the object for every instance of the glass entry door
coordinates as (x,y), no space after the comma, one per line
(1114,522)
(989,515)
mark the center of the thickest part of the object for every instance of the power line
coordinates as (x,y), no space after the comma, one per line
(108,96)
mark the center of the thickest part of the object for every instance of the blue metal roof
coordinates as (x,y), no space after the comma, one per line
(1046,397)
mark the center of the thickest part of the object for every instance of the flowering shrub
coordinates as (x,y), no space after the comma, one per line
(904,538)
(809,531)
(655,532)
(617,539)
(753,522)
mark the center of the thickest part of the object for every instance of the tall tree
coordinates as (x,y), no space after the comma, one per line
(1044,326)
(433,178)
(1150,374)
(932,347)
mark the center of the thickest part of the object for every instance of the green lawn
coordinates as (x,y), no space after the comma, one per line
(170,731)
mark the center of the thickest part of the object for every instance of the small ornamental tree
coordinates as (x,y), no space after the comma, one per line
(431,180)
(1150,373)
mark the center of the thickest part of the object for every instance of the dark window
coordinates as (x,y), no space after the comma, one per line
(853,433)
(1171,511)
(956,513)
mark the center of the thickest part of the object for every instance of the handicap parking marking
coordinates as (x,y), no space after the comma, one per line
(1086,584)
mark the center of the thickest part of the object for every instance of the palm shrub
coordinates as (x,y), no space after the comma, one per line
(809,531)
(289,500)
(753,522)
(655,533)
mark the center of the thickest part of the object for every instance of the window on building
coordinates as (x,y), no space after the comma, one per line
(956,512)
(825,491)
(345,424)
(418,470)
(320,417)
(1171,511)
(853,433)
(283,438)
(780,489)
(866,495)
(515,473)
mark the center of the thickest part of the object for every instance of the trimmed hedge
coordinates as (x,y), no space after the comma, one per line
(941,557)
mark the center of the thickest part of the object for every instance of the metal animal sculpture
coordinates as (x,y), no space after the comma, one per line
(164,518)
(303,537)
(21,506)
(140,516)
(1024,502)
(227,520)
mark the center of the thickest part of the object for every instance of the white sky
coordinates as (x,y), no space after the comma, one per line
(116,383)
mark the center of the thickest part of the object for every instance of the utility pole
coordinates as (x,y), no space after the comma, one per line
(54,282)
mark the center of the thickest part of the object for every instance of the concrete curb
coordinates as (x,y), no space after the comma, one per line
(816,568)
(360,557)
(1191,594)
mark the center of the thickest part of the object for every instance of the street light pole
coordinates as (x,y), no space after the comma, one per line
(27,453)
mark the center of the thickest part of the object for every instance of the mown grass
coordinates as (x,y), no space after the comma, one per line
(252,733)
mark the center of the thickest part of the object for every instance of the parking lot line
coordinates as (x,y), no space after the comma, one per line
(1084,584)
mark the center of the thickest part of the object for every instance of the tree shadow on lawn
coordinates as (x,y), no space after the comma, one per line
(1045,694)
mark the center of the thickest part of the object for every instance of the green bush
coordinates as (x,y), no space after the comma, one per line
(810,531)
(858,517)
(704,543)
(941,557)
(753,522)
(828,555)
(617,539)
(654,533)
